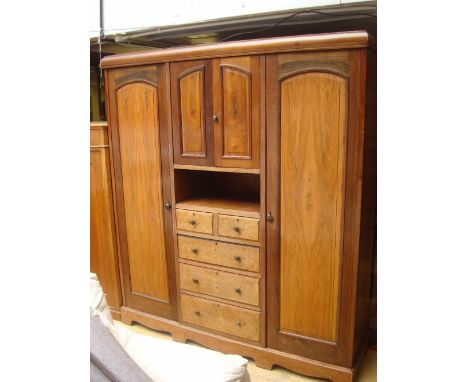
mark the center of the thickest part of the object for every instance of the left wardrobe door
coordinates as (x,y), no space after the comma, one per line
(138,113)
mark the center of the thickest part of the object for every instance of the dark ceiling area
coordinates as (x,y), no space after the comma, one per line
(355,16)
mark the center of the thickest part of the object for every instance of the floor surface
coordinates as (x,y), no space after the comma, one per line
(367,373)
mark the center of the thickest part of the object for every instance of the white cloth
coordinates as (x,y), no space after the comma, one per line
(168,361)
(97,301)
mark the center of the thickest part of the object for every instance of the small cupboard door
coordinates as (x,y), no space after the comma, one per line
(192,129)
(307,122)
(138,104)
(236,111)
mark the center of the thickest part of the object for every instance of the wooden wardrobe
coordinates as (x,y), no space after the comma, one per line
(103,250)
(245,195)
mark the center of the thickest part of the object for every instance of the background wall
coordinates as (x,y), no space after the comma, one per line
(122,15)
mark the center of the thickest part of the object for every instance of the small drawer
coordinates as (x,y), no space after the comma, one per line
(219,253)
(221,317)
(238,227)
(220,284)
(194,221)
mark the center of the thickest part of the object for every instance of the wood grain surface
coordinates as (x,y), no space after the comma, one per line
(141,174)
(226,285)
(236,101)
(238,227)
(324,41)
(219,253)
(194,221)
(103,246)
(313,113)
(221,317)
(192,127)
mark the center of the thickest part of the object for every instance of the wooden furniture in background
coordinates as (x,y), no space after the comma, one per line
(103,251)
(245,191)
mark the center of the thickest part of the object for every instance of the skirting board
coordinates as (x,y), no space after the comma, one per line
(115,314)
(263,357)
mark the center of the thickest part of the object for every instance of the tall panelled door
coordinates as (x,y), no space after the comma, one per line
(309,116)
(138,114)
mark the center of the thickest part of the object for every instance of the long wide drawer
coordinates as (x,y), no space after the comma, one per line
(219,253)
(194,221)
(221,317)
(220,284)
(238,227)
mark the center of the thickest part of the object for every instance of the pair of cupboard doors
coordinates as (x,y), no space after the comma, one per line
(210,112)
(216,111)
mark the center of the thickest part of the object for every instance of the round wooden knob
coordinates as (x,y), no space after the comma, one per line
(238,290)
(237,258)
(237,229)
(195,280)
(195,250)
(193,222)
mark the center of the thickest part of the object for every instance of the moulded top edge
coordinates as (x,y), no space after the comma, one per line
(323,41)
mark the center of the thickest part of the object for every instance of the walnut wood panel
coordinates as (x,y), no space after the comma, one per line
(138,118)
(141,172)
(313,112)
(324,41)
(238,227)
(236,109)
(330,130)
(221,317)
(192,115)
(103,246)
(194,221)
(223,205)
(191,112)
(219,253)
(217,169)
(226,285)
(221,238)
(235,112)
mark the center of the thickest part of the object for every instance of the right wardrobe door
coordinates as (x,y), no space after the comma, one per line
(308,106)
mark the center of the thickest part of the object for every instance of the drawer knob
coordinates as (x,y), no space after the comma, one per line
(167,205)
(193,222)
(239,324)
(238,258)
(238,290)
(214,117)
(237,229)
(195,280)
(197,313)
(195,250)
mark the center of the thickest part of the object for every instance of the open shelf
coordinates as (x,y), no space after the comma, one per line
(248,208)
(217,169)
(219,192)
